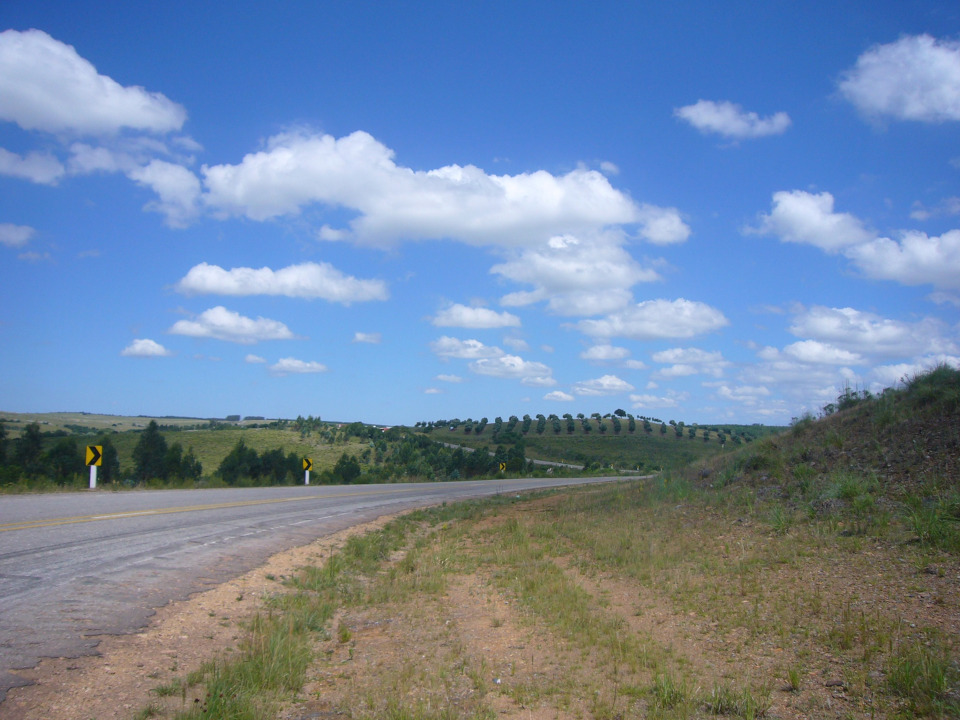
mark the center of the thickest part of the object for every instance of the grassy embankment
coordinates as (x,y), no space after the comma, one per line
(637,600)
(799,581)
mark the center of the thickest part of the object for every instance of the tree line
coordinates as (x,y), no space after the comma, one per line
(30,458)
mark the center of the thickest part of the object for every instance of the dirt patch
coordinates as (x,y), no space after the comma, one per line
(123,678)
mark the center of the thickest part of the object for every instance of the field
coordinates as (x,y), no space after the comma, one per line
(639,450)
(813,573)
(211,440)
(649,599)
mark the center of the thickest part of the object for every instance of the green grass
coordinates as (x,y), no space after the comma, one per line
(551,564)
(923,671)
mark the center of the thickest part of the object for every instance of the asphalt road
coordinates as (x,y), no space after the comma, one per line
(79,565)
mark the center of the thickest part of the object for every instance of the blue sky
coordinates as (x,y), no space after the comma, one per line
(709,212)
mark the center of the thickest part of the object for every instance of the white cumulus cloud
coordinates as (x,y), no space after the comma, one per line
(293,366)
(46,85)
(15,235)
(801,217)
(39,167)
(670,399)
(915,259)
(746,394)
(575,275)
(868,334)
(177,188)
(915,78)
(476,318)
(450,347)
(516,368)
(604,353)
(558,396)
(144,347)
(653,319)
(814,351)
(306,280)
(368,338)
(222,324)
(731,120)
(606,385)
(394,202)
(690,361)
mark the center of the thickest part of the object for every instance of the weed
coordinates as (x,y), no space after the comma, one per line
(148,712)
(935,523)
(669,693)
(168,690)
(794,675)
(744,704)
(780,519)
(923,671)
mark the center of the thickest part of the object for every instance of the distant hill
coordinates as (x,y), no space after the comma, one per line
(599,442)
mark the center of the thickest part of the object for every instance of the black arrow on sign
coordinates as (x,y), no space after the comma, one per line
(93,455)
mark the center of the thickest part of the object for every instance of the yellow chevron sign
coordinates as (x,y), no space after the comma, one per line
(308,463)
(95,455)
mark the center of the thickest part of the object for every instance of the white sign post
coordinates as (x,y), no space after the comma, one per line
(93,458)
(307,467)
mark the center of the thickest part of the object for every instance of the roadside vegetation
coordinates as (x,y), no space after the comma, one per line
(815,573)
(46,452)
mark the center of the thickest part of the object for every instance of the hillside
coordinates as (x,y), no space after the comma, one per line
(603,442)
(875,457)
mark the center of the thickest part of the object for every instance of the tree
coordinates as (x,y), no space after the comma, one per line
(274,466)
(150,453)
(29,449)
(347,469)
(64,460)
(620,413)
(241,462)
(109,470)
(172,460)
(190,467)
(3,444)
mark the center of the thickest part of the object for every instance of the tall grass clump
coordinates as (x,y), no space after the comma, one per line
(936,522)
(926,673)
(272,664)
(939,388)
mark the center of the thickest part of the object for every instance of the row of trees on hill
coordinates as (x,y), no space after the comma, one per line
(617,422)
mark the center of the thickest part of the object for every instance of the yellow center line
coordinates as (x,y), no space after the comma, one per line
(54,522)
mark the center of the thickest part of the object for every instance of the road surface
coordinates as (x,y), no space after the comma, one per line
(75,566)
